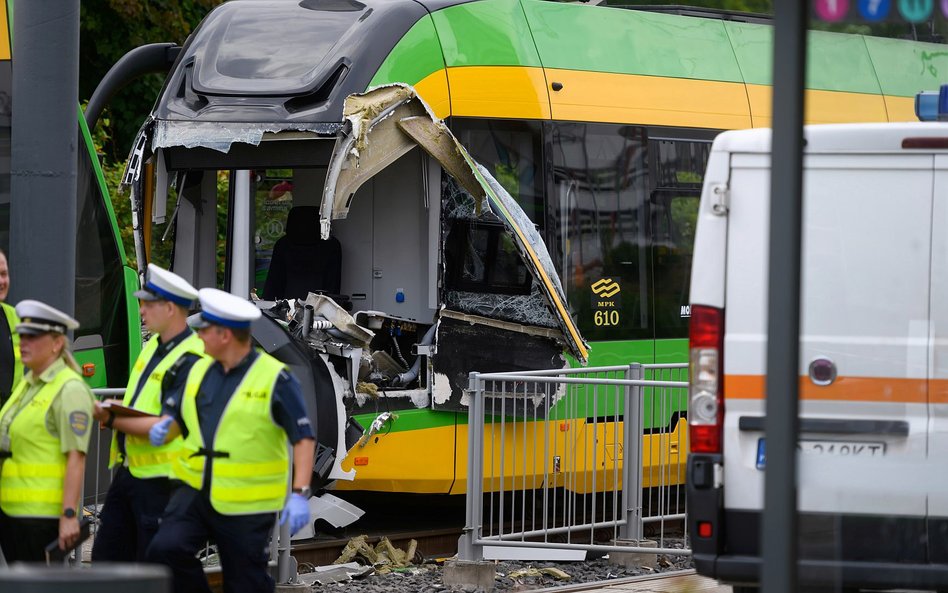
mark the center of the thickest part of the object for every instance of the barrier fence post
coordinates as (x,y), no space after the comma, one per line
(467,550)
(286,564)
(632,456)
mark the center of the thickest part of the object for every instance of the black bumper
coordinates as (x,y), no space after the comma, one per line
(836,550)
(833,574)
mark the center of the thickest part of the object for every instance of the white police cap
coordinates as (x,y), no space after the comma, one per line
(162,284)
(40,318)
(225,309)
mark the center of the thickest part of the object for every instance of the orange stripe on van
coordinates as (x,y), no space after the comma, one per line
(863,389)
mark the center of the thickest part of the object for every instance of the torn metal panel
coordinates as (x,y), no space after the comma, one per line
(540,332)
(463,346)
(220,136)
(385,123)
(355,160)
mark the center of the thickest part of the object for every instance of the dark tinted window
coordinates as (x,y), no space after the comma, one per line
(512,152)
(278,47)
(100,302)
(678,167)
(483,257)
(600,214)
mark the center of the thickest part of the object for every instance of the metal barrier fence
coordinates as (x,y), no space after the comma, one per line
(576,459)
(98,478)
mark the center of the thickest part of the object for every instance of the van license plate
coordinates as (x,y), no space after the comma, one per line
(840,448)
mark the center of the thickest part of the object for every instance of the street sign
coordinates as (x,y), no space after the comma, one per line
(877,11)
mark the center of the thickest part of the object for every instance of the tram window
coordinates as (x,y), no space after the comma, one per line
(99,272)
(674,216)
(679,164)
(273,201)
(599,209)
(290,259)
(678,170)
(512,151)
(482,257)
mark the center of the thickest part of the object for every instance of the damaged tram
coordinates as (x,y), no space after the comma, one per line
(404,269)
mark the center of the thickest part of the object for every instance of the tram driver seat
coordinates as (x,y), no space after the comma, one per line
(301,261)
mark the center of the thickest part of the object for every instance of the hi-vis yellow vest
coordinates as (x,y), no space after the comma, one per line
(144,460)
(31,481)
(10,313)
(250,471)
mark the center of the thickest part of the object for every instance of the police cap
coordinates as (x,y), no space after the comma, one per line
(39,318)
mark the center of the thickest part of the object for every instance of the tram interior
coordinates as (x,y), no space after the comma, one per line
(380,264)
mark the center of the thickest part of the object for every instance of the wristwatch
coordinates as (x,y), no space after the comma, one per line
(305,492)
(111,420)
(69,513)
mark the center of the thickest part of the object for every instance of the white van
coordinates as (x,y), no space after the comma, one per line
(873,442)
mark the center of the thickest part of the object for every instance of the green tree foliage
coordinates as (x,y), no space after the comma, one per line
(109,29)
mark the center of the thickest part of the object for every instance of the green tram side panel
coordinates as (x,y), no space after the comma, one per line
(488,33)
(575,37)
(415,56)
(129,276)
(906,67)
(602,354)
(835,61)
(419,419)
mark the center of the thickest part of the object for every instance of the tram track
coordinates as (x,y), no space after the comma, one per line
(432,543)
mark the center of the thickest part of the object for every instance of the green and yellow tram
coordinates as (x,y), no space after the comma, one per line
(596,120)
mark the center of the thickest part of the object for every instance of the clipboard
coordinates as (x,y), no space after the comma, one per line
(124,411)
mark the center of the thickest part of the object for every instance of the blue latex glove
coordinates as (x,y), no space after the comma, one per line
(159,432)
(297,511)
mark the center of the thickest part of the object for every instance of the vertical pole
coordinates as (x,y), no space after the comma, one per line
(45,152)
(243,245)
(632,456)
(779,526)
(286,564)
(467,550)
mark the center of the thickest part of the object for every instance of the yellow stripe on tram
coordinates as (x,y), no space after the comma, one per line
(518,92)
(4,32)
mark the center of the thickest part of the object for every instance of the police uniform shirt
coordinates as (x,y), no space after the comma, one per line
(177,378)
(69,415)
(286,408)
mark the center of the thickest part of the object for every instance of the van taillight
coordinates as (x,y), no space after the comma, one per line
(705,378)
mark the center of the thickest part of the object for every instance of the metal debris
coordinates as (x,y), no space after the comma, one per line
(384,557)
(335,573)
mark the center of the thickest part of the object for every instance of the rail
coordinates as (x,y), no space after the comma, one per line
(576,459)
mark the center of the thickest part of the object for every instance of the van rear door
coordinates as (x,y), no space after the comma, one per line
(864,348)
(937,478)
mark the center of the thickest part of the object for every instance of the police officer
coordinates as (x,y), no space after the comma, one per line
(236,413)
(140,486)
(44,436)
(11,368)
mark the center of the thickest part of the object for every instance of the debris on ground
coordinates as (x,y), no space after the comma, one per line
(335,573)
(427,576)
(384,557)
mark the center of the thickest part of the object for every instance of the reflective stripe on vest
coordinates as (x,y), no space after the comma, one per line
(10,313)
(31,481)
(144,460)
(253,476)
